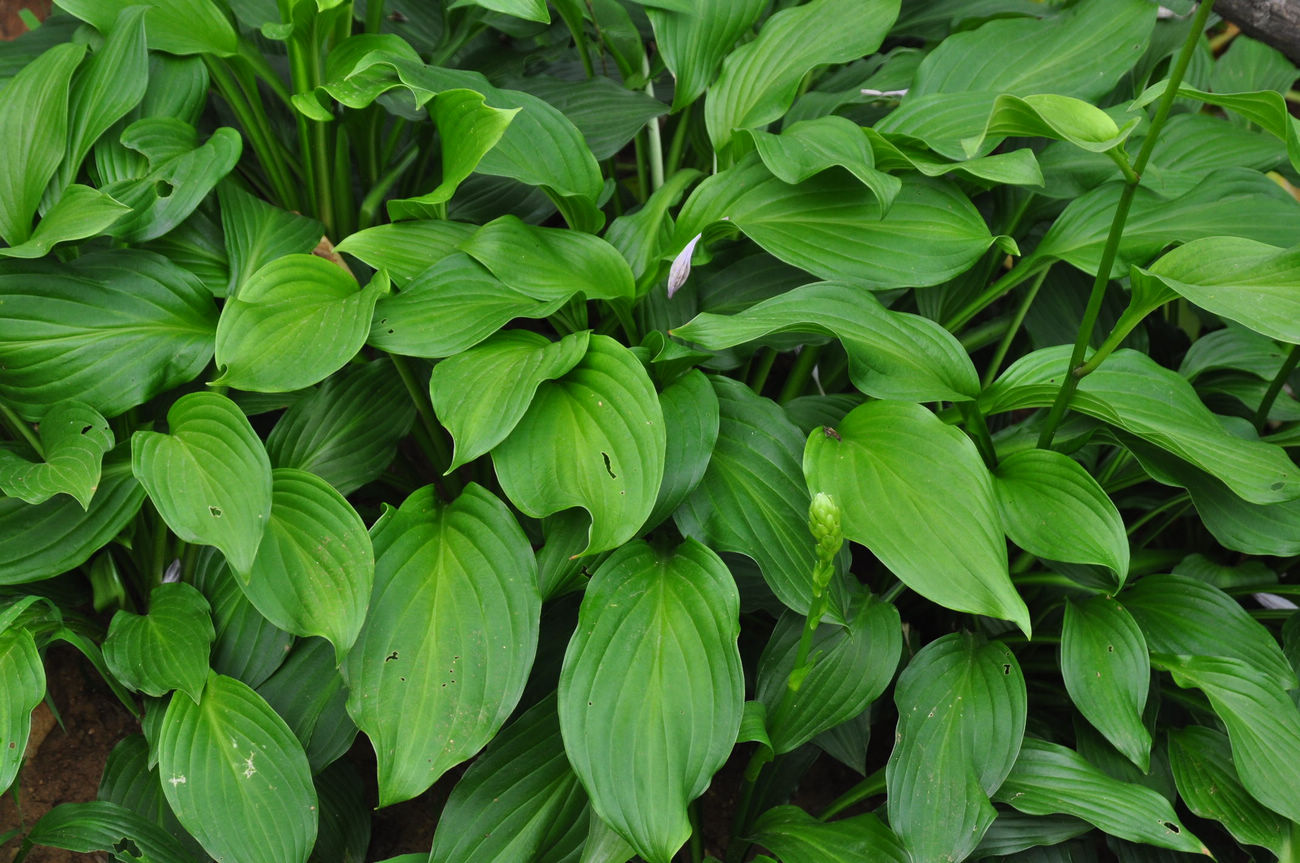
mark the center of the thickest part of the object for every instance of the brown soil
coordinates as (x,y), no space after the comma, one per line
(11,26)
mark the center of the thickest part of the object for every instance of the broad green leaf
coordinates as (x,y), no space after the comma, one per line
(550,263)
(891,354)
(1133,392)
(594,438)
(480,395)
(48,539)
(295,322)
(174,26)
(851,666)
(81,212)
(515,799)
(1017,168)
(914,491)
(1053,508)
(812,146)
(197,245)
(603,845)
(450,307)
(752,500)
(794,835)
(235,775)
(651,693)
(406,249)
(1107,672)
(209,476)
(1182,615)
(314,566)
(759,80)
(529,10)
(22,686)
(257,233)
(75,438)
(34,125)
(1049,779)
(108,828)
(165,649)
(449,638)
(695,37)
(1267,110)
(961,716)
(1261,719)
(248,646)
(309,695)
(691,423)
(608,114)
(1012,832)
(345,432)
(1208,784)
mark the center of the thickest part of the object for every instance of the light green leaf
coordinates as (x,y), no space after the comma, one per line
(22,686)
(594,438)
(235,775)
(891,354)
(406,249)
(449,638)
(914,491)
(794,835)
(295,322)
(81,212)
(1049,779)
(759,80)
(961,716)
(315,566)
(174,26)
(209,476)
(1207,781)
(257,233)
(1053,508)
(695,37)
(480,395)
(651,693)
(165,649)
(1267,110)
(1107,672)
(105,827)
(75,438)
(691,421)
(550,263)
(1049,115)
(812,146)
(529,10)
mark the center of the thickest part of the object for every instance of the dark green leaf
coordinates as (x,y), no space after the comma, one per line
(22,686)
(309,694)
(257,233)
(101,826)
(1208,783)
(794,835)
(691,423)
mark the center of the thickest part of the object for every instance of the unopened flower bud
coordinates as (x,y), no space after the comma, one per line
(824,522)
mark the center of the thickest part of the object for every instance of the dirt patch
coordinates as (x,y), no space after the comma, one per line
(12,26)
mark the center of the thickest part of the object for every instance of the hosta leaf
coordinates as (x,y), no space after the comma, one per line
(961,716)
(314,567)
(550,263)
(812,146)
(75,438)
(309,695)
(257,233)
(1132,391)
(248,646)
(759,80)
(209,476)
(851,667)
(81,212)
(752,500)
(482,393)
(529,10)
(1053,508)
(22,686)
(691,423)
(406,249)
(296,321)
(1050,779)
(1182,615)
(651,693)
(449,638)
(793,834)
(891,354)
(1207,782)
(344,831)
(898,473)
(1012,832)
(593,438)
(1107,672)
(235,775)
(694,38)
(48,539)
(608,114)
(1267,110)
(639,236)
(515,798)
(176,26)
(109,828)
(111,330)
(165,649)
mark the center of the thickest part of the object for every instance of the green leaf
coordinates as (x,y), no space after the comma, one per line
(1053,508)
(406,249)
(75,438)
(608,114)
(449,638)
(792,834)
(691,423)
(1131,391)
(1013,832)
(640,236)
(165,649)
(752,500)
(651,693)
(295,322)
(1182,615)
(257,233)
(550,263)
(235,775)
(812,146)
(1107,672)
(48,539)
(1049,779)
(23,686)
(1048,115)
(961,716)
(851,666)
(174,26)
(480,395)
(248,646)
(891,354)
(209,477)
(1207,781)
(759,80)
(81,212)
(34,123)
(593,438)
(516,799)
(309,695)
(344,831)
(914,491)
(529,10)
(1267,110)
(695,37)
(109,828)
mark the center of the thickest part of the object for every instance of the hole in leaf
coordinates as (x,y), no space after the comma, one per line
(390,657)
(1006,668)
(215,511)
(127,847)
(1277,485)
(85,429)
(162,189)
(1170,826)
(609,469)
(1110,648)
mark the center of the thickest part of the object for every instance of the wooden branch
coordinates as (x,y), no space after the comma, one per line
(1273,22)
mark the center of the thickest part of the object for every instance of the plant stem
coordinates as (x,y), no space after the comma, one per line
(253,120)
(762,368)
(653,133)
(374,15)
(678,142)
(1275,387)
(978,428)
(21,429)
(995,364)
(420,397)
(869,787)
(1024,270)
(800,373)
